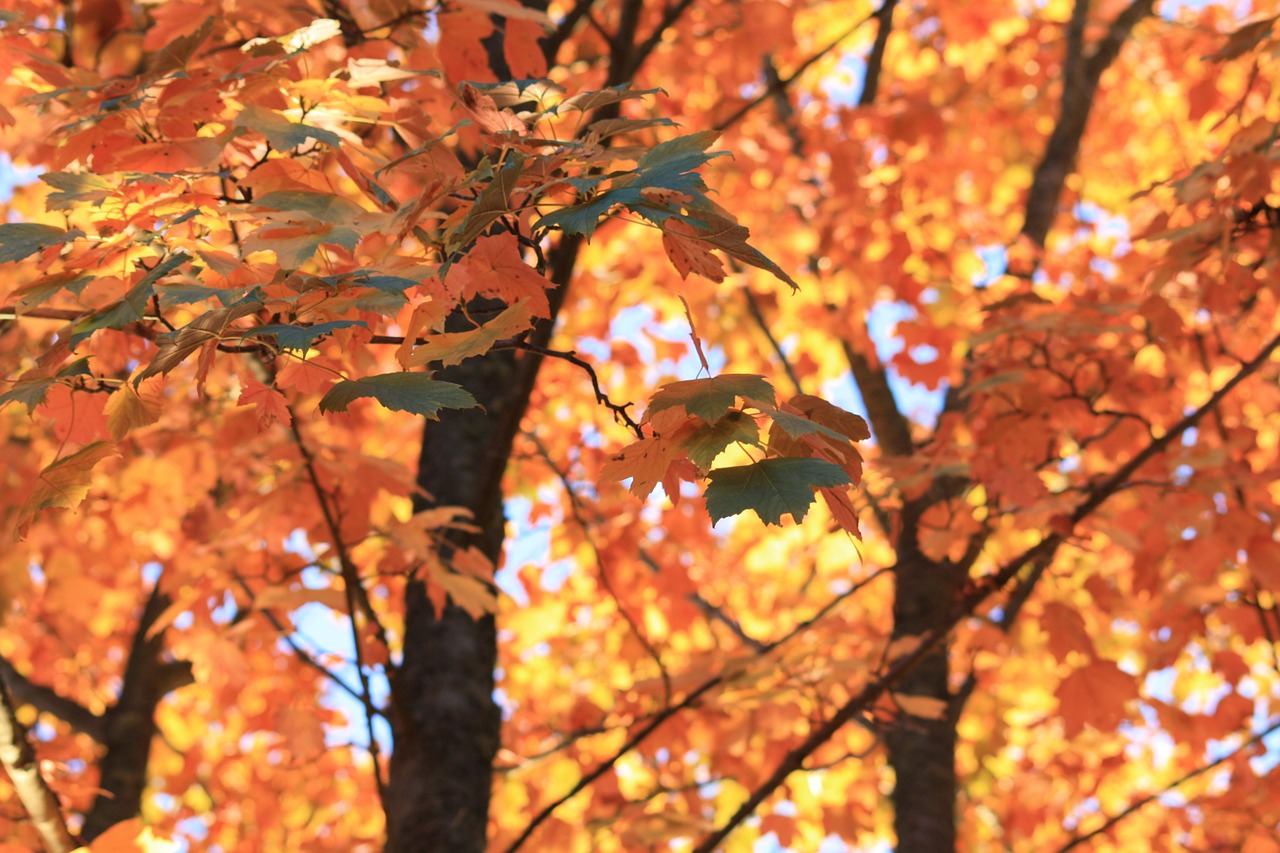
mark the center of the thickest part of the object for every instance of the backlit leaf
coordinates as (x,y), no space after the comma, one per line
(770,488)
(417,393)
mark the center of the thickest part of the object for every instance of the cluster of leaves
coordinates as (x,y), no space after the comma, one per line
(194,210)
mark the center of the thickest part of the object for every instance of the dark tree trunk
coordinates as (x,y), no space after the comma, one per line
(129,727)
(921,750)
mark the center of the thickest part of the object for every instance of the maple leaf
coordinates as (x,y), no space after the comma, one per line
(271,406)
(19,240)
(688,253)
(494,269)
(1095,695)
(453,347)
(770,488)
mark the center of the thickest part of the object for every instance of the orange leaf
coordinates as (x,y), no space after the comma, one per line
(689,253)
(271,404)
(494,268)
(1095,695)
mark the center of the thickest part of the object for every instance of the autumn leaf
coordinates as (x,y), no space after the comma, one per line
(453,347)
(1095,695)
(688,253)
(494,269)
(271,406)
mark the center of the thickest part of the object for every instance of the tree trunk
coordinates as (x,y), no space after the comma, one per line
(921,750)
(130,725)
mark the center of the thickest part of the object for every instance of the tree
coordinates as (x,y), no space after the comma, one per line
(267,244)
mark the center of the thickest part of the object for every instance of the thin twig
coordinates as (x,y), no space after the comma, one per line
(784,82)
(620,413)
(357,601)
(301,653)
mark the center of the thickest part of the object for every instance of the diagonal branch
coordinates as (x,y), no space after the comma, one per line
(875,59)
(782,83)
(691,700)
(1081,73)
(358,602)
(46,700)
(971,598)
(19,760)
(1138,804)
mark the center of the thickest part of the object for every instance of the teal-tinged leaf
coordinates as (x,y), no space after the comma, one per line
(185,294)
(326,207)
(378,281)
(770,488)
(798,425)
(710,440)
(711,398)
(76,188)
(28,392)
(283,134)
(613,126)
(300,337)
(20,240)
(130,309)
(402,392)
(493,203)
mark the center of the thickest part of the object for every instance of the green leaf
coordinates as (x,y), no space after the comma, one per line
(584,218)
(301,337)
(326,207)
(75,188)
(185,294)
(28,392)
(130,309)
(19,240)
(709,441)
(770,488)
(401,392)
(493,203)
(283,134)
(711,398)
(798,425)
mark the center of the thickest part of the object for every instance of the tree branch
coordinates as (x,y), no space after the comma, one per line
(46,700)
(973,596)
(1081,73)
(1138,804)
(875,59)
(689,701)
(358,602)
(19,760)
(783,82)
